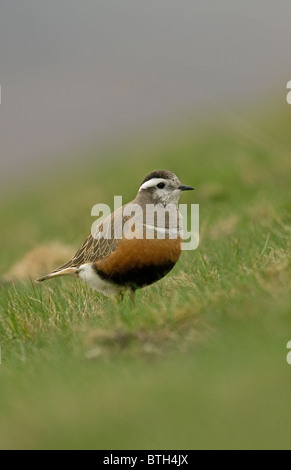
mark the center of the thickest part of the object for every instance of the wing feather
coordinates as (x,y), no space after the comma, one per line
(98,246)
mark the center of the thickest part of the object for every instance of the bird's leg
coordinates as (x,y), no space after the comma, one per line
(132,295)
(119,296)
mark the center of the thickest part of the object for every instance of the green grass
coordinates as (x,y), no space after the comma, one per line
(200,360)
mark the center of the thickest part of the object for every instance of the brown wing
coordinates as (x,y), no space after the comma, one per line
(101,244)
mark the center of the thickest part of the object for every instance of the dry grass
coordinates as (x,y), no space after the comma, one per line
(38,262)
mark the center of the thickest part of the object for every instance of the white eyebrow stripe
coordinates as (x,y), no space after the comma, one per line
(153,182)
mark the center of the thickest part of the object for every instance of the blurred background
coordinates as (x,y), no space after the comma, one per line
(95,95)
(75,75)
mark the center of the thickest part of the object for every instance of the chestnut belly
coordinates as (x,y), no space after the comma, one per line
(139,263)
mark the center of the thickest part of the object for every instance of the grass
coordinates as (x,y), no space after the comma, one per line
(200,360)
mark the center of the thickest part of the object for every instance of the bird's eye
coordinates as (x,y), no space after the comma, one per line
(161,185)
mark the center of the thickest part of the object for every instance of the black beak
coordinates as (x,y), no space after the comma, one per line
(186,188)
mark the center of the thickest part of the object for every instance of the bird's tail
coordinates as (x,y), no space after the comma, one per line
(72,271)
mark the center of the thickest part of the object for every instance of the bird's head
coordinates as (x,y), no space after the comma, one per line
(162,187)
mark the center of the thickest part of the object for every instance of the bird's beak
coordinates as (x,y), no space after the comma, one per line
(186,188)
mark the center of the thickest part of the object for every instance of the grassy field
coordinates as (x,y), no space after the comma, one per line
(200,360)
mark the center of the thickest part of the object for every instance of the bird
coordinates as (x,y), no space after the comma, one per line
(125,253)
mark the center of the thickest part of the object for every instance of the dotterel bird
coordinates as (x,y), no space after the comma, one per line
(112,264)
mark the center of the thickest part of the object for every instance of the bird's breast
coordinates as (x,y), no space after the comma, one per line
(140,262)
